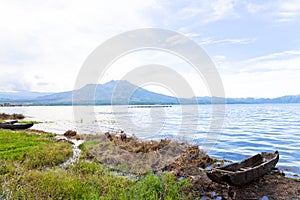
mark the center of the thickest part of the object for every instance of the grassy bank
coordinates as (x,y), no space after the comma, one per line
(30,169)
(32,151)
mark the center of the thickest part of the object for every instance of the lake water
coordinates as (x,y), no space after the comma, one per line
(247,129)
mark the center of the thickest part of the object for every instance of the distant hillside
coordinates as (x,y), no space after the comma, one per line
(284,99)
(21,96)
(116,92)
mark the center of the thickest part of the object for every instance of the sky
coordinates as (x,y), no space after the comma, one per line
(255,45)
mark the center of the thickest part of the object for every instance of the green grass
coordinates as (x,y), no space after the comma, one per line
(87,180)
(82,181)
(86,146)
(32,150)
(23,121)
(29,169)
(28,122)
(160,187)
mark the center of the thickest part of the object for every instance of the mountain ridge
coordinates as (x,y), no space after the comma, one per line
(115,92)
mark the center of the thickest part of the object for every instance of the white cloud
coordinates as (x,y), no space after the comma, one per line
(278,12)
(288,11)
(271,75)
(221,9)
(255,8)
(51,39)
(19,82)
(185,16)
(209,11)
(287,61)
(270,84)
(209,40)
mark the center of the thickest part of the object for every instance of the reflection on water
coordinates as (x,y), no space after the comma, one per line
(247,129)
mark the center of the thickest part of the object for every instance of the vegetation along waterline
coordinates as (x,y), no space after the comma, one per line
(30,168)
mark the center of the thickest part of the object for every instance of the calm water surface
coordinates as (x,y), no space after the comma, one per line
(247,129)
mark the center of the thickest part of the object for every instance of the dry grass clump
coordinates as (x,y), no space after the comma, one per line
(131,155)
(134,145)
(190,162)
(4,116)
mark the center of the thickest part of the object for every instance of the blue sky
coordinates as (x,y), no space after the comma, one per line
(255,45)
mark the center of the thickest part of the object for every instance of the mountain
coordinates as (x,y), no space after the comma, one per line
(113,92)
(117,93)
(20,96)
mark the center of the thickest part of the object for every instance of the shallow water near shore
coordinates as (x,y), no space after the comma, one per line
(247,129)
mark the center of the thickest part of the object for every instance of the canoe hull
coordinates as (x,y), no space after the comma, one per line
(15,126)
(232,175)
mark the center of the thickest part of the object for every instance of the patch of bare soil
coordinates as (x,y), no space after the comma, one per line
(133,156)
(273,185)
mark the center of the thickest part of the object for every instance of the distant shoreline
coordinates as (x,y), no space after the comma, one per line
(138,105)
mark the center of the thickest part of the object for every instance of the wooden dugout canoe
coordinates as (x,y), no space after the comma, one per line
(13,126)
(245,171)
